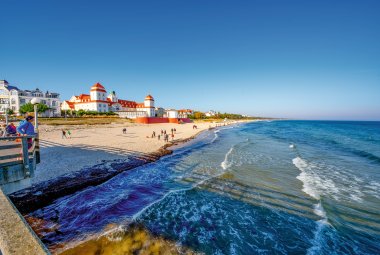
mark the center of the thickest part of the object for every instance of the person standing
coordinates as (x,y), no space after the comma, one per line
(69,134)
(64,134)
(158,136)
(27,128)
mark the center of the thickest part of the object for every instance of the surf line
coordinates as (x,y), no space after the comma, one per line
(308,188)
(225,165)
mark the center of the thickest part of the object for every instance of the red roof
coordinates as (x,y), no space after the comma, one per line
(98,87)
(149,97)
(185,110)
(126,103)
(70,104)
(84,97)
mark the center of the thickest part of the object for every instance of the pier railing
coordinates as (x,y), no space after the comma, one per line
(18,158)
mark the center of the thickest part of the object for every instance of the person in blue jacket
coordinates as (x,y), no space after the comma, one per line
(27,128)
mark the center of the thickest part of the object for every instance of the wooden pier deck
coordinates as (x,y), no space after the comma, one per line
(17,161)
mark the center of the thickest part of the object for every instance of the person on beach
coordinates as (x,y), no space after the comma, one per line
(158,136)
(124,130)
(27,128)
(175,131)
(64,134)
(162,132)
(69,134)
(154,134)
(172,137)
(172,130)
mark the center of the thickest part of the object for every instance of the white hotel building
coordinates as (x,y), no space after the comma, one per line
(13,98)
(98,101)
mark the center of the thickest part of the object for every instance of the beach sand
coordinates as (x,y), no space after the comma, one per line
(91,145)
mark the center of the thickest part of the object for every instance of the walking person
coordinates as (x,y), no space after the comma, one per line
(124,130)
(69,134)
(154,134)
(158,136)
(64,134)
(175,131)
(162,132)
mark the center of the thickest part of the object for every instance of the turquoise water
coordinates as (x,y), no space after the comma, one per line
(271,187)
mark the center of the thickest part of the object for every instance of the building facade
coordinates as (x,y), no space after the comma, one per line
(11,97)
(99,101)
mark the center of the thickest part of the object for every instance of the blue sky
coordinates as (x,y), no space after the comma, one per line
(293,59)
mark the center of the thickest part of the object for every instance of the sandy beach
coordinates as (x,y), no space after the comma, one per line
(91,145)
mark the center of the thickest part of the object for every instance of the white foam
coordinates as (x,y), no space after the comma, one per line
(318,238)
(320,211)
(307,179)
(215,136)
(226,163)
(292,146)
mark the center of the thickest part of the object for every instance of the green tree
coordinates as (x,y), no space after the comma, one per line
(10,112)
(30,108)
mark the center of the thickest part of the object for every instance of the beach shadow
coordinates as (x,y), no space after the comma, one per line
(128,136)
(66,169)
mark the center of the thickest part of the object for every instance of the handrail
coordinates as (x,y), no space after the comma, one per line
(17,137)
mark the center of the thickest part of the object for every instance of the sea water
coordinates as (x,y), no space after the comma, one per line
(269,187)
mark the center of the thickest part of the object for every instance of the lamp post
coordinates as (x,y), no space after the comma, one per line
(6,115)
(35,101)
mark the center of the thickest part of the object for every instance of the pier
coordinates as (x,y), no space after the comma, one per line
(17,162)
(17,167)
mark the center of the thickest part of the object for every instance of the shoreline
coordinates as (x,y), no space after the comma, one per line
(37,197)
(42,194)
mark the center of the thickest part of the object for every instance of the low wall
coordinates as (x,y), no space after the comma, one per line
(16,236)
(153,120)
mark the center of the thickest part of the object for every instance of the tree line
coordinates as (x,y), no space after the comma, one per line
(201,115)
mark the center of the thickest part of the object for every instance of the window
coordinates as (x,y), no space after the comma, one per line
(22,101)
(4,101)
(13,101)
(53,103)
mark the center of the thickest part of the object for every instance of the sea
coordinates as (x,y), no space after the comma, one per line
(265,187)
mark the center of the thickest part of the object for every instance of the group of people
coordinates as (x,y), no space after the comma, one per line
(66,134)
(164,134)
(25,127)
